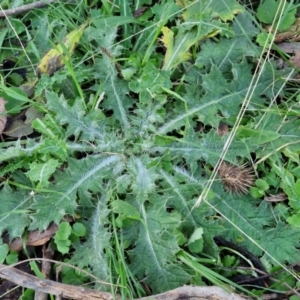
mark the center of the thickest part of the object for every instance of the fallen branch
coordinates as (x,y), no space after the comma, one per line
(195,293)
(51,287)
(24,8)
(74,292)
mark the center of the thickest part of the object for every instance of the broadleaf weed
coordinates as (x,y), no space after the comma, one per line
(129,142)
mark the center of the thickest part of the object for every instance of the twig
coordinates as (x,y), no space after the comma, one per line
(51,287)
(46,270)
(196,292)
(74,292)
(25,8)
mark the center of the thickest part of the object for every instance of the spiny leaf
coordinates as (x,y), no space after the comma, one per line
(74,116)
(144,178)
(91,254)
(255,136)
(209,147)
(13,211)
(155,249)
(226,51)
(204,14)
(80,176)
(225,95)
(223,9)
(42,171)
(18,150)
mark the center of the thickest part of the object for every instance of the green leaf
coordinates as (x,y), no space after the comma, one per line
(256,192)
(291,154)
(195,242)
(264,39)
(178,199)
(150,82)
(222,53)
(286,240)
(12,258)
(269,9)
(294,220)
(260,188)
(2,35)
(262,184)
(42,171)
(146,39)
(257,136)
(112,22)
(154,251)
(122,207)
(16,94)
(144,178)
(74,277)
(223,95)
(229,261)
(225,10)
(208,147)
(80,176)
(289,186)
(74,116)
(12,218)
(3,252)
(64,231)
(266,11)
(258,223)
(116,92)
(97,242)
(204,15)
(78,229)
(63,246)
(61,237)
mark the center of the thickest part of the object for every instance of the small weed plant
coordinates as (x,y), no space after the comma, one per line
(128,139)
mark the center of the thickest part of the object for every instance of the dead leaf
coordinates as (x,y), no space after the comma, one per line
(31,114)
(35,238)
(28,88)
(3,117)
(222,129)
(292,34)
(292,48)
(20,127)
(276,198)
(139,12)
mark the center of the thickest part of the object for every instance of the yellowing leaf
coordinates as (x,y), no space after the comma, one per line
(197,10)
(177,50)
(202,20)
(167,37)
(54,59)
